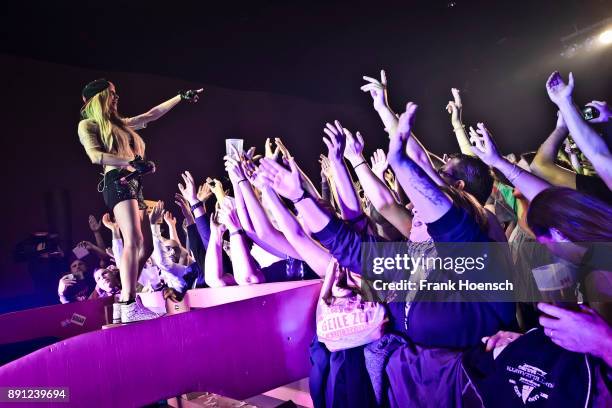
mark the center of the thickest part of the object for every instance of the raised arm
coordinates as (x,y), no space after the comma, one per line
(141,121)
(378,91)
(529,184)
(263,232)
(237,177)
(326,173)
(573,152)
(426,196)
(93,248)
(588,140)
(117,241)
(159,256)
(307,184)
(171,223)
(348,200)
(375,188)
(544,165)
(416,151)
(342,241)
(455,108)
(214,275)
(94,226)
(315,256)
(287,183)
(245,269)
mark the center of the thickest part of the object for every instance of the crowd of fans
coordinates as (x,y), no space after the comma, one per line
(273,224)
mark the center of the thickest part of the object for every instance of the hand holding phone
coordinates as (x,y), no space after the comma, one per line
(590,112)
(80,252)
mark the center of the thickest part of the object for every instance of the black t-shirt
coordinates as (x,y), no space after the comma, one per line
(594,186)
(460,324)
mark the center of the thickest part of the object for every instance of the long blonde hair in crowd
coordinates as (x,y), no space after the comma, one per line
(98,109)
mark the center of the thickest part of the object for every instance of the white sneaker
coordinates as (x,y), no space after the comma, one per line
(136,311)
(116,313)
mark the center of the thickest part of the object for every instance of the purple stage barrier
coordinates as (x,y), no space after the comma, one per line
(61,321)
(236,349)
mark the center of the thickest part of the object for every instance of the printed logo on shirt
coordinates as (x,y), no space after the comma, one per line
(529,383)
(349,323)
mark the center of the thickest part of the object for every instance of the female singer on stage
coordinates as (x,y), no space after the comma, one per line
(110,140)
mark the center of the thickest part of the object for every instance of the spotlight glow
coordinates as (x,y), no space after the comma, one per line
(605,38)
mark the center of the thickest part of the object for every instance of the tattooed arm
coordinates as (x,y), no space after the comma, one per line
(430,201)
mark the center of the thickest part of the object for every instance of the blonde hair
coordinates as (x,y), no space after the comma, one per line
(98,109)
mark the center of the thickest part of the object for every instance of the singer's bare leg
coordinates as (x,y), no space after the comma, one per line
(128,217)
(147,247)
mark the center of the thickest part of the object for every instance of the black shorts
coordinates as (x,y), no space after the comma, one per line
(115,191)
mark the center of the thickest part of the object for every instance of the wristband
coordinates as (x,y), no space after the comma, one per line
(363,162)
(238,183)
(196,205)
(237,232)
(304,195)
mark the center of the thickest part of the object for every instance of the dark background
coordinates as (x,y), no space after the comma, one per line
(269,69)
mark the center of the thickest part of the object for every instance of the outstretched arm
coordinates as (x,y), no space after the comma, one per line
(589,142)
(159,256)
(426,196)
(141,121)
(315,256)
(455,108)
(529,184)
(262,230)
(349,202)
(171,223)
(214,275)
(287,183)
(375,188)
(378,92)
(416,151)
(245,269)
(544,165)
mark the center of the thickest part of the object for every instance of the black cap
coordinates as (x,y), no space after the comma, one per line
(93,88)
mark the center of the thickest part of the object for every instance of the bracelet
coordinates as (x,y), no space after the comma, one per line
(238,183)
(237,232)
(459,128)
(304,195)
(363,162)
(196,205)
